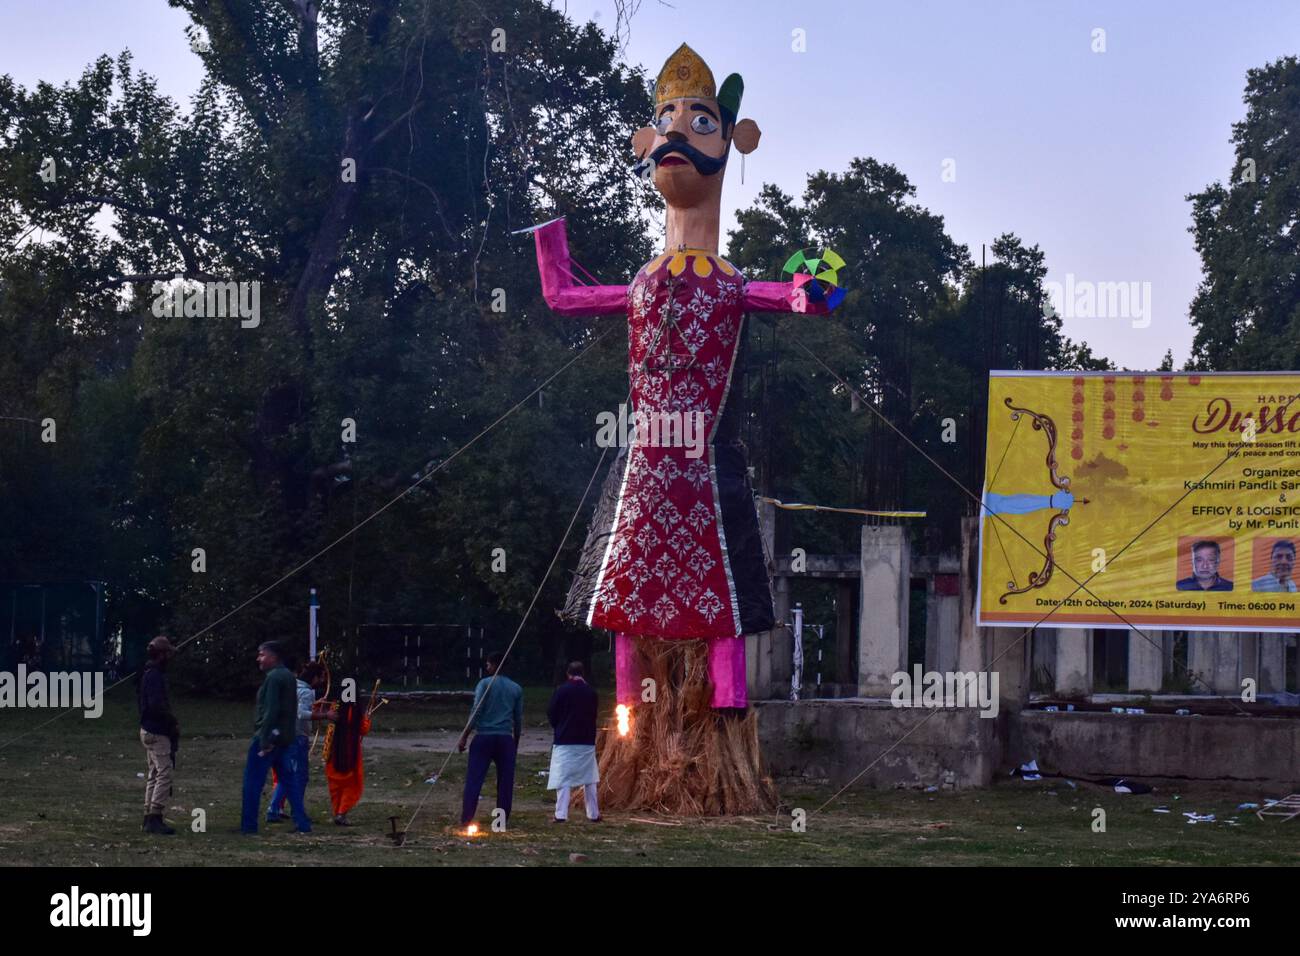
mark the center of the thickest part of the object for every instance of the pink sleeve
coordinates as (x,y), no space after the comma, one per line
(777,297)
(561,292)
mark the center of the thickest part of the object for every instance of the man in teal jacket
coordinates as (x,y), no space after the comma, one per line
(498,716)
(274,727)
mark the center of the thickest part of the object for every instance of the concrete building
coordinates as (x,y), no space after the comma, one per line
(1095,668)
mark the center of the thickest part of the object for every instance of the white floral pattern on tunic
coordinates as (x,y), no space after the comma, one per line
(665,572)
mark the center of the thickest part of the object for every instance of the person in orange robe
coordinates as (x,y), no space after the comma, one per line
(344,770)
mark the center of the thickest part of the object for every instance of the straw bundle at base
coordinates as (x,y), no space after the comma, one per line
(680,756)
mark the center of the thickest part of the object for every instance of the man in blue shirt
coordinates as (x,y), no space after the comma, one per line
(1206,556)
(498,716)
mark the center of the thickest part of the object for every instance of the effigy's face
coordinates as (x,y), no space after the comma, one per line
(687,143)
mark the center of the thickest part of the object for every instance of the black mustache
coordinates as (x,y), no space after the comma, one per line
(704,165)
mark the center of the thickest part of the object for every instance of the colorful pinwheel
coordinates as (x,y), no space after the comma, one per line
(816,280)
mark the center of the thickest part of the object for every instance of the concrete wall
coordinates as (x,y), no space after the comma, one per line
(1154,746)
(834,740)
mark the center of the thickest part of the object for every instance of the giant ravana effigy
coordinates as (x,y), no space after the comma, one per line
(673,562)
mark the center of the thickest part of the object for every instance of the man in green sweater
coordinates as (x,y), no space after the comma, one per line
(274,727)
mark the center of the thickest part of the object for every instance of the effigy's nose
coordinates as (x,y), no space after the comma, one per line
(675,136)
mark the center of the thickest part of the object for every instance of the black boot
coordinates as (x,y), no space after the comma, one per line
(144,824)
(156,824)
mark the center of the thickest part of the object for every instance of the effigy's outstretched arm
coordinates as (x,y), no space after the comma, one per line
(559,287)
(780,297)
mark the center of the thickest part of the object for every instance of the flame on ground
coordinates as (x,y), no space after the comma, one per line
(624,715)
(471,830)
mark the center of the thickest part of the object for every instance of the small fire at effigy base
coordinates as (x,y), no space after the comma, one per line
(624,715)
(471,830)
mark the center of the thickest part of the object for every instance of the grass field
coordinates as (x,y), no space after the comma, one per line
(71,794)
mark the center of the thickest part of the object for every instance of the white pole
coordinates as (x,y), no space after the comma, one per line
(796,678)
(821,636)
(312,607)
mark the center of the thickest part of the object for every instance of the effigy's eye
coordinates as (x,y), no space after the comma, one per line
(663,124)
(703,124)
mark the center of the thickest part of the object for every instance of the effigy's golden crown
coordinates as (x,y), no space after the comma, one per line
(685,74)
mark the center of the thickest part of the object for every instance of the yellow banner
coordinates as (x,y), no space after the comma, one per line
(1160,500)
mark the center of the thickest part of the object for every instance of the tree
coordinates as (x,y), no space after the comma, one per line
(900,262)
(1247,308)
(364,164)
(916,336)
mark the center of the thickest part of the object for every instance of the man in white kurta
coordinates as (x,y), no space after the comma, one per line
(572,712)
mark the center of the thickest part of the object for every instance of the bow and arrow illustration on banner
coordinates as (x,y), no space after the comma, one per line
(1060,501)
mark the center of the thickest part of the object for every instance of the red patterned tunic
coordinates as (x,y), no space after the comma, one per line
(673,550)
(667,567)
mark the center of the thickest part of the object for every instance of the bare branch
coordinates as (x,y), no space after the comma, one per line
(155,277)
(187,251)
(395,123)
(437,201)
(137,210)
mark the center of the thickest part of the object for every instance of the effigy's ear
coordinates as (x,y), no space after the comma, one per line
(746,135)
(642,140)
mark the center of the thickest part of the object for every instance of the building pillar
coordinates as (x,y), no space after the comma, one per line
(1000,650)
(1214,657)
(1010,661)
(1146,661)
(781,655)
(758,665)
(766,652)
(1229,663)
(1073,661)
(882,621)
(1272,663)
(1248,661)
(972,641)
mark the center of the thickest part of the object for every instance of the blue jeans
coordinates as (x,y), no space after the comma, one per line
(483,750)
(288,766)
(276,809)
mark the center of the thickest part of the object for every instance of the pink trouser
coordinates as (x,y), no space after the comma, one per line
(726,671)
